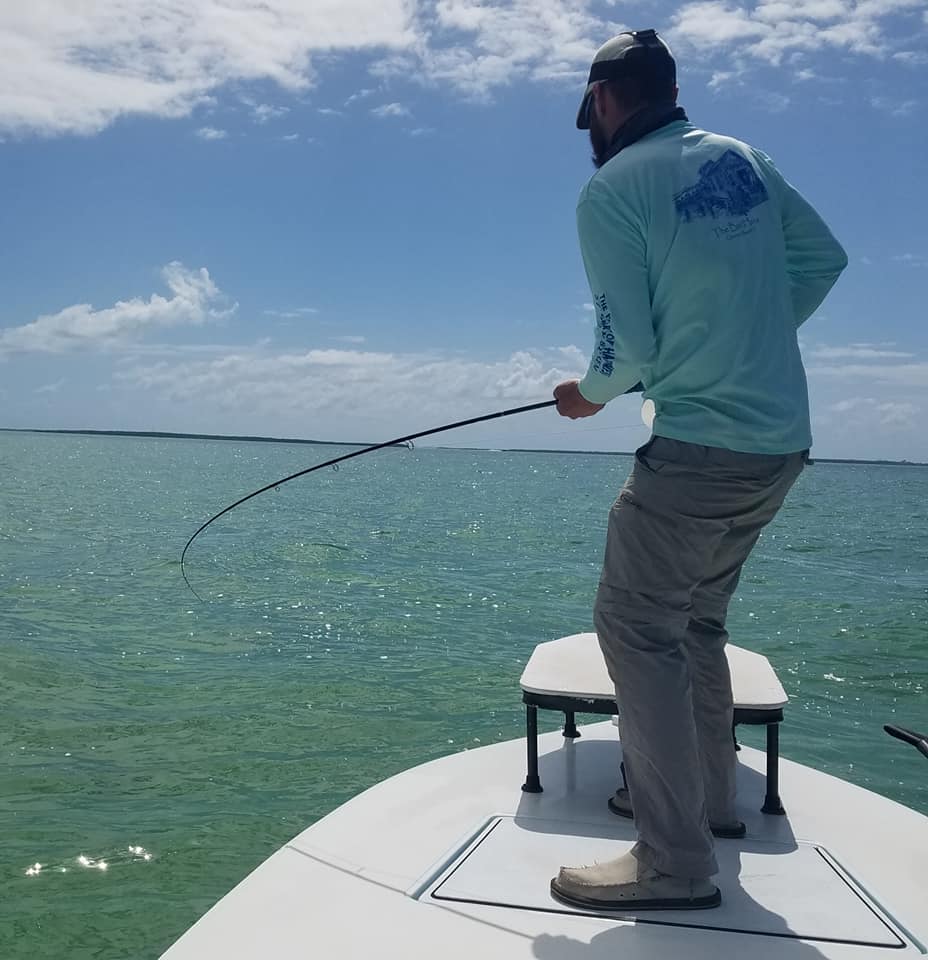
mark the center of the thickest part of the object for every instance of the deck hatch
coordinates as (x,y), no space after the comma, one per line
(795,891)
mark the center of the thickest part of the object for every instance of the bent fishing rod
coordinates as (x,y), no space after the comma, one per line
(349,456)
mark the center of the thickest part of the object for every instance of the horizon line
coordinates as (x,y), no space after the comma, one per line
(172,435)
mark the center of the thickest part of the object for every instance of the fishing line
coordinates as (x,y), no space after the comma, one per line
(399,441)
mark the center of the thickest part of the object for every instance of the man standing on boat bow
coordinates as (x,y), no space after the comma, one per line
(703,262)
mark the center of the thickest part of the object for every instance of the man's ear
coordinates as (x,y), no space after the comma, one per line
(606,103)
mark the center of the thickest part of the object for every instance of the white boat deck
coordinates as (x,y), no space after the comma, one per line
(452,860)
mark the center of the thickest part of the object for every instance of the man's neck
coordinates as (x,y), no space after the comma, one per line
(643,121)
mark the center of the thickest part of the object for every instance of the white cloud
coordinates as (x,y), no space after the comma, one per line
(912,259)
(734,81)
(136,349)
(89,64)
(770,30)
(390,110)
(421,131)
(50,387)
(360,95)
(872,394)
(885,413)
(282,387)
(350,339)
(195,300)
(211,133)
(292,314)
(79,70)
(588,315)
(857,351)
(290,137)
(330,112)
(902,415)
(478,46)
(774,102)
(574,356)
(723,78)
(262,112)
(901,374)
(912,58)
(75,68)
(897,108)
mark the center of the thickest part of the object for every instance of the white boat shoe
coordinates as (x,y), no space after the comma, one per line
(626,885)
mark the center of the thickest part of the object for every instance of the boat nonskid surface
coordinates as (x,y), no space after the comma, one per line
(451,858)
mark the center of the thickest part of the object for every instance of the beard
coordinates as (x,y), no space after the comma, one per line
(598,140)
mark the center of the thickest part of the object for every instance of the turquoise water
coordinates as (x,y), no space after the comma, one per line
(358,622)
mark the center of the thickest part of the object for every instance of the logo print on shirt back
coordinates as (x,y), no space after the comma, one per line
(727,187)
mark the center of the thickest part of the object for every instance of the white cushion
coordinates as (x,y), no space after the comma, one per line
(574,667)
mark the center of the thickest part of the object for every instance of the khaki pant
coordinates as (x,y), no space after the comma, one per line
(679,532)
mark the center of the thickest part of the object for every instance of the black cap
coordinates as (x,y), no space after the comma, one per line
(637,53)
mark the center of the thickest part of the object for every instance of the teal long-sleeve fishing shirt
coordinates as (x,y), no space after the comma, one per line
(703,262)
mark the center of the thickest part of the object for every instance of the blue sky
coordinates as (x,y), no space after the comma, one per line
(352,219)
